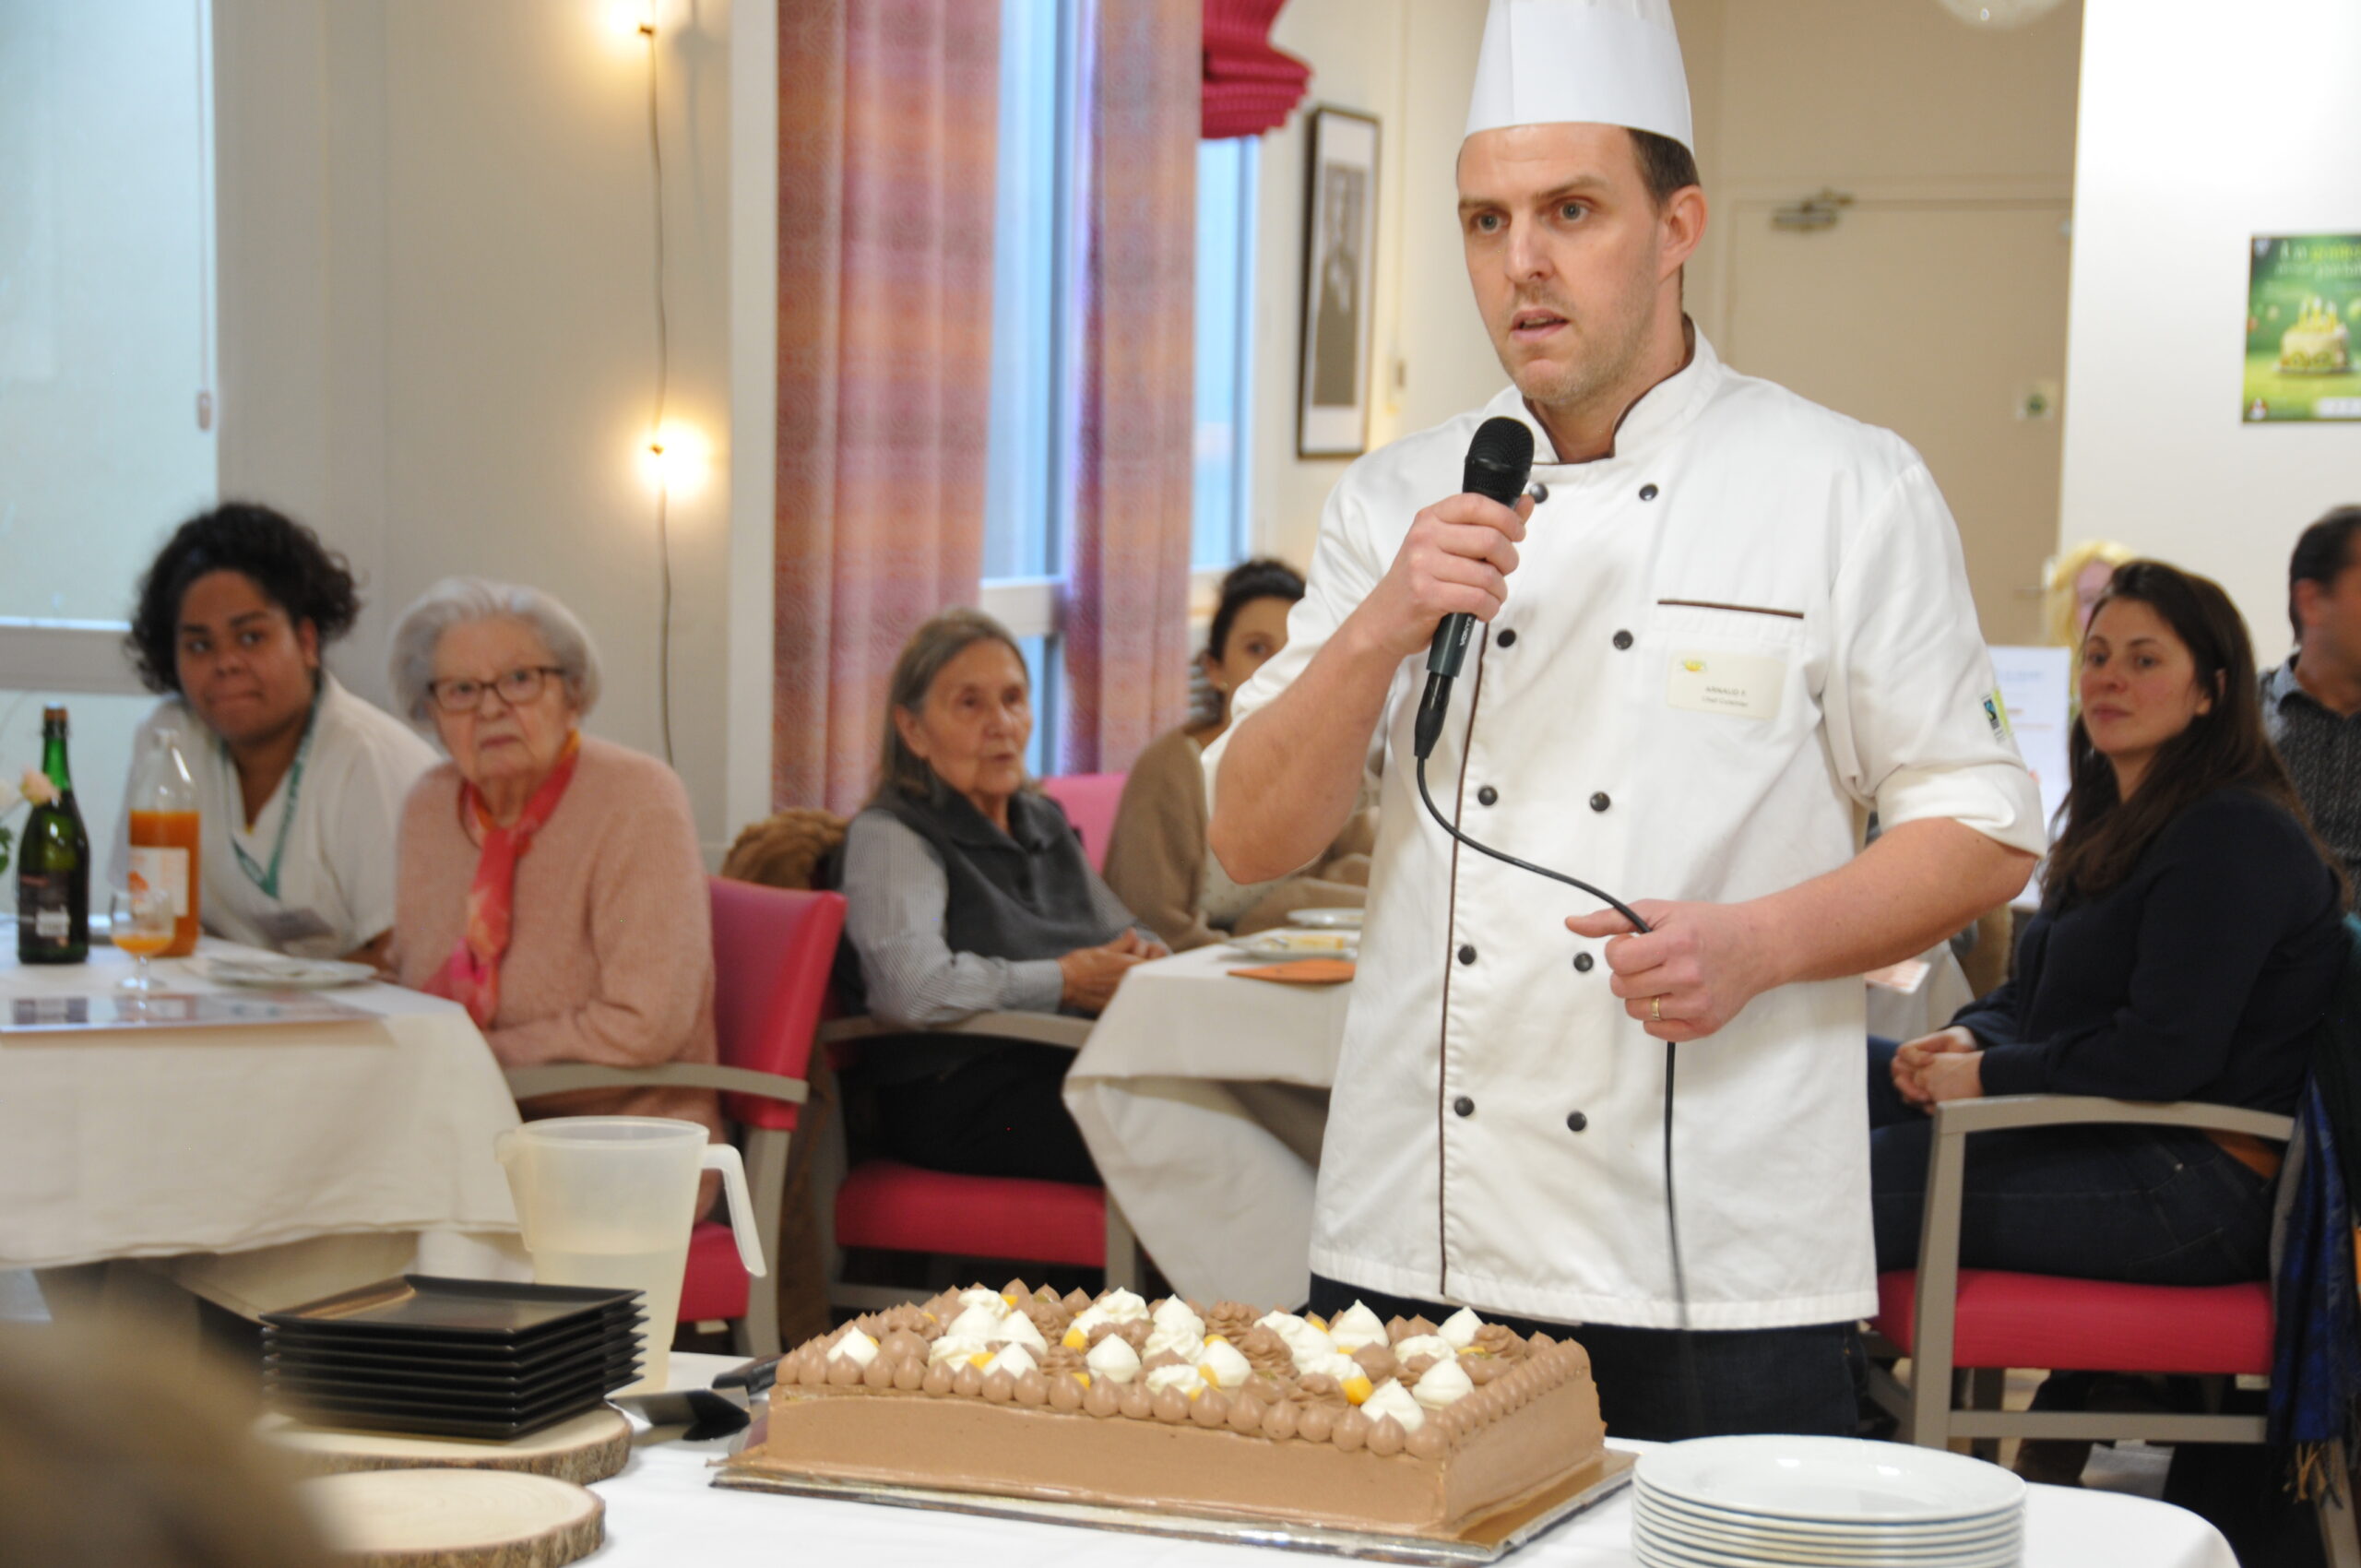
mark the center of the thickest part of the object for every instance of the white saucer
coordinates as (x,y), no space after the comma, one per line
(1947,1534)
(1339,919)
(1830,1480)
(1288,942)
(276,971)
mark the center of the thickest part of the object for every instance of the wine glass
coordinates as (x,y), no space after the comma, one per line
(143,921)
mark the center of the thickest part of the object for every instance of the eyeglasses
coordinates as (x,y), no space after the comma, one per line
(516,688)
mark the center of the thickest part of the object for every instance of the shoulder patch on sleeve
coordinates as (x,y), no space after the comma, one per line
(1996,714)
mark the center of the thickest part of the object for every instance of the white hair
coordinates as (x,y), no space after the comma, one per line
(456,602)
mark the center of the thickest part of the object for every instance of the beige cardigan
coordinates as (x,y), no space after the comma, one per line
(1156,854)
(611,955)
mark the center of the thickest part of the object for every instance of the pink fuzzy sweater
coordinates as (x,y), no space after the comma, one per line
(611,955)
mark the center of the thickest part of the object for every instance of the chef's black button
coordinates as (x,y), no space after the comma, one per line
(1507,637)
(1600,802)
(1467,955)
(1582,961)
(1648,492)
(1538,491)
(1464,1105)
(1576,1120)
(1622,640)
(1487,796)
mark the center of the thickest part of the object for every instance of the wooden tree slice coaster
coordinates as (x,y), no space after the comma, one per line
(454,1519)
(589,1447)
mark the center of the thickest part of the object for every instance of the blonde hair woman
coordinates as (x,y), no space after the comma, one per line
(2071,582)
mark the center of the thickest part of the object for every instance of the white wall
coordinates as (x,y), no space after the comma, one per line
(1409,63)
(2194,139)
(438,322)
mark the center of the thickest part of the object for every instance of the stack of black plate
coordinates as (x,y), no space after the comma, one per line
(453,1358)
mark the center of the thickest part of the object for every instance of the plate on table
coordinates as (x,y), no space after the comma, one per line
(1343,917)
(279,971)
(1290,943)
(1828,1481)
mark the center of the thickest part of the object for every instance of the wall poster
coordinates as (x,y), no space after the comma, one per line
(2303,298)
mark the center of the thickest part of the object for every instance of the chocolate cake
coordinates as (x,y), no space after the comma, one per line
(1402,1427)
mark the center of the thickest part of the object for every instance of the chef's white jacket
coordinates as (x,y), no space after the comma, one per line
(1721,646)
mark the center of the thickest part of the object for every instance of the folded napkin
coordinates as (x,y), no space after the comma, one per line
(1302,971)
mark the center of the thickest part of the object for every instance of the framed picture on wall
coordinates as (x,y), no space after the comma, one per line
(1339,275)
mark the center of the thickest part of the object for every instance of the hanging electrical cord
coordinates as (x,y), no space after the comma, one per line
(1672,1059)
(656,424)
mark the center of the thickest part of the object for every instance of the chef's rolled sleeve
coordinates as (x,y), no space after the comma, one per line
(1913,715)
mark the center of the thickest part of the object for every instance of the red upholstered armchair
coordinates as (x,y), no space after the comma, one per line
(1089,801)
(772,951)
(886,1206)
(1963,1328)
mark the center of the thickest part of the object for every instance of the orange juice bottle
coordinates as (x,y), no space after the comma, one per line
(164,834)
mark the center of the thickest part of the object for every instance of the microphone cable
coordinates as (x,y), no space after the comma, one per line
(1672,1059)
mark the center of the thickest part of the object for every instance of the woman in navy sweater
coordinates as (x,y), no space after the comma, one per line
(2189,939)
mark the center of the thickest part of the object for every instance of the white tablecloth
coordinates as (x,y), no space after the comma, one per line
(1223,1205)
(291,1158)
(663,1512)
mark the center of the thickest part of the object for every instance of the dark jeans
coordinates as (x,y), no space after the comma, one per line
(999,1113)
(2147,1205)
(1652,1386)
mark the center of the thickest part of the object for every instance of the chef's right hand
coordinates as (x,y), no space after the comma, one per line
(1455,559)
(1093,973)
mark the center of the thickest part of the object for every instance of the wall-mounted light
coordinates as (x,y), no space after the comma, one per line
(677,459)
(630,20)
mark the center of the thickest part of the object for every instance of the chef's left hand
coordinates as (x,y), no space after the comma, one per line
(1691,972)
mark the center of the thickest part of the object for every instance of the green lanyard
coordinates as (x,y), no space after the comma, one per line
(268,880)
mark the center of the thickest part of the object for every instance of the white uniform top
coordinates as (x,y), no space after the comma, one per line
(1720,647)
(335,879)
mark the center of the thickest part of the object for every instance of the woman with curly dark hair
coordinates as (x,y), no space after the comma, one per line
(300,783)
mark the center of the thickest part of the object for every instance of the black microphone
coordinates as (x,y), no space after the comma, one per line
(1498,461)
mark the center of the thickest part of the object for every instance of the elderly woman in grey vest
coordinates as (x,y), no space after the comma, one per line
(968,892)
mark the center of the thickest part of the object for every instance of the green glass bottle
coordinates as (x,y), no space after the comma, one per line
(53,864)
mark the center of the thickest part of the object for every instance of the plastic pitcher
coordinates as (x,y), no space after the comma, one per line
(609,1200)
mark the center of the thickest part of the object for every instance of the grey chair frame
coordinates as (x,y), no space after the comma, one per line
(765,1150)
(1058,1029)
(1944,1402)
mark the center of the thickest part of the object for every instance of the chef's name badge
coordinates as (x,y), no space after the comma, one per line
(1737,686)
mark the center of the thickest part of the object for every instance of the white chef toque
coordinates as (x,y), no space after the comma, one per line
(1595,62)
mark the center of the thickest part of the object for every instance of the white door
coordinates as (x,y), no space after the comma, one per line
(1939,318)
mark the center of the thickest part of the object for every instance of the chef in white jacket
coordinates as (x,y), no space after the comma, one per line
(1723,626)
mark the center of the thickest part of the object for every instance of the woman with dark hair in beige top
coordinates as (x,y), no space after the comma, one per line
(1157,860)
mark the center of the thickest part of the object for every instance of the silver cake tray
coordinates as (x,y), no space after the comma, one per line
(1486,1540)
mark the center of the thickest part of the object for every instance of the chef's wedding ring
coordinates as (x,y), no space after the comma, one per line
(1656,1009)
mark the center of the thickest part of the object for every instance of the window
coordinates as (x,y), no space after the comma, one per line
(106,314)
(1024,500)
(1034,242)
(1220,528)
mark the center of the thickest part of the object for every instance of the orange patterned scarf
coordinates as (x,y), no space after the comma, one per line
(471,975)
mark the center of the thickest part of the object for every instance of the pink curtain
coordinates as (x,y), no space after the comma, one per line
(1126,612)
(887,117)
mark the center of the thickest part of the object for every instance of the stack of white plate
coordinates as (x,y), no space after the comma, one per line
(1833,1502)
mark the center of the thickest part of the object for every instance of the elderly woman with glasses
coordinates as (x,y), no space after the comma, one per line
(550,882)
